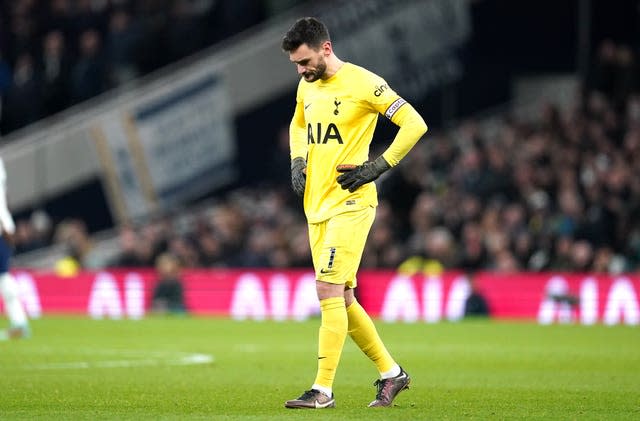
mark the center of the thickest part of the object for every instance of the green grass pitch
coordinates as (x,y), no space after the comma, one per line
(159,369)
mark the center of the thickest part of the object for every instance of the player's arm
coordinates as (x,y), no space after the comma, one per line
(412,127)
(298,147)
(7,226)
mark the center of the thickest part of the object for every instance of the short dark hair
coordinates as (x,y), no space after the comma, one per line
(308,31)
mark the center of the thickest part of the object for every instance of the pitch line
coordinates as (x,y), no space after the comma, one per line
(187,359)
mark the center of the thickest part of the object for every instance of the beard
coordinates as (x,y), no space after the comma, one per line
(313,75)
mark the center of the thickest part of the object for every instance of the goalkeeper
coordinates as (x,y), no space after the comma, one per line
(337,107)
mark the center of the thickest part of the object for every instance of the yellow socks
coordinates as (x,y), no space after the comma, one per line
(336,323)
(364,334)
(333,331)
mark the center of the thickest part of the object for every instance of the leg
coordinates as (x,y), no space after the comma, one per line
(363,332)
(331,337)
(19,324)
(333,326)
(336,248)
(332,334)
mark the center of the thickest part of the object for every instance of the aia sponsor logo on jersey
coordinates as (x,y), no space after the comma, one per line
(322,135)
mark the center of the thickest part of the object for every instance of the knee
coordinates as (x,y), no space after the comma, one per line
(326,290)
(349,297)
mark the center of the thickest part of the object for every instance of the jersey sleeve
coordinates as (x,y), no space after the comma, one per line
(6,220)
(297,130)
(388,103)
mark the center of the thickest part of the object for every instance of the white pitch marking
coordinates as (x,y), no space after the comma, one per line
(188,359)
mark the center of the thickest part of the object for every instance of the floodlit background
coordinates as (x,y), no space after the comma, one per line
(146,147)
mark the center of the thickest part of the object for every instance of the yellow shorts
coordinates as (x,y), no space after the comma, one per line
(337,245)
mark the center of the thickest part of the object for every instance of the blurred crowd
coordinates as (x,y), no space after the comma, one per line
(557,191)
(57,53)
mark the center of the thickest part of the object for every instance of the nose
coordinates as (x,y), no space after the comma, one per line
(301,69)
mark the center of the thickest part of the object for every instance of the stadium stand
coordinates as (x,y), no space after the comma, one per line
(552,191)
(58,53)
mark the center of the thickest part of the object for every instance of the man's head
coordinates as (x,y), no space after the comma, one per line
(309,45)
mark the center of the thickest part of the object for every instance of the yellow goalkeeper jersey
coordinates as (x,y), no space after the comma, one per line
(333,124)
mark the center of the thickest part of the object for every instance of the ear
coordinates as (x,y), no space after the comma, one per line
(326,48)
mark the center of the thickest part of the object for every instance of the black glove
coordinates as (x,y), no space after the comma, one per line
(363,174)
(298,175)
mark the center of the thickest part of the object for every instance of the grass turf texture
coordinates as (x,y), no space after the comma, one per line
(469,370)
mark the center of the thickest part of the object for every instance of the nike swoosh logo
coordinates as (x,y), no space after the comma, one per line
(324,271)
(307,106)
(322,405)
(320,358)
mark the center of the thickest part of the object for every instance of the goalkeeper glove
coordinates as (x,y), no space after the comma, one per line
(362,174)
(298,175)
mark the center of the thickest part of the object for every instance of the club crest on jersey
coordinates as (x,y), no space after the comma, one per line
(336,103)
(323,135)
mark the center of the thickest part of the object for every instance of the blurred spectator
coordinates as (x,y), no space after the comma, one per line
(168,293)
(476,304)
(581,256)
(256,252)
(42,227)
(23,237)
(602,77)
(79,246)
(22,103)
(300,248)
(473,254)
(89,74)
(34,232)
(22,36)
(608,262)
(561,254)
(56,70)
(132,252)
(211,254)
(185,251)
(122,45)
(382,250)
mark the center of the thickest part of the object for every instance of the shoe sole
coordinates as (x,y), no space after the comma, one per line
(294,405)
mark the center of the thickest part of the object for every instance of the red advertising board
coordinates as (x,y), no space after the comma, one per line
(290,294)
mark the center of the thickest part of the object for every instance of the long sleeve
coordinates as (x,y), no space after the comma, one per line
(298,133)
(412,127)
